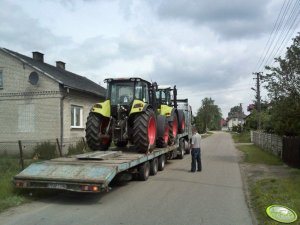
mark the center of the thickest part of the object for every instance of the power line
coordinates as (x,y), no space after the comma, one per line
(271,39)
(283,29)
(286,35)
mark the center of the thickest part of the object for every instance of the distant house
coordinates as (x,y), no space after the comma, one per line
(236,118)
(235,121)
(39,101)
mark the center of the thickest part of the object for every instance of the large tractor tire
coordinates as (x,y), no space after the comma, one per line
(173,129)
(94,132)
(162,131)
(144,131)
(181,122)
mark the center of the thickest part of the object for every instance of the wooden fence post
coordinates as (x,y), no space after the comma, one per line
(21,155)
(84,143)
(59,148)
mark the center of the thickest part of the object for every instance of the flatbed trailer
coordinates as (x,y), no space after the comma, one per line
(93,171)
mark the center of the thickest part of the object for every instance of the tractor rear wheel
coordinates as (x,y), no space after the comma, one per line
(162,131)
(144,131)
(173,127)
(95,130)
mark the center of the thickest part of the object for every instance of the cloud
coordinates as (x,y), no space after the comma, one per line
(20,32)
(231,20)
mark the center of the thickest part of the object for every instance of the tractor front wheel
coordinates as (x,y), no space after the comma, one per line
(144,131)
(95,130)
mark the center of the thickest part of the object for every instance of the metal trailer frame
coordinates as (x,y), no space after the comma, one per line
(89,172)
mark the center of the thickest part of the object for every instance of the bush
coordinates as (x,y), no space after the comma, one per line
(45,150)
(79,148)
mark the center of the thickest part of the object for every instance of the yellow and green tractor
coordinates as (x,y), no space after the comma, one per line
(128,115)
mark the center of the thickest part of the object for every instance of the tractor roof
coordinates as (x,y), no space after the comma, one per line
(162,87)
(121,79)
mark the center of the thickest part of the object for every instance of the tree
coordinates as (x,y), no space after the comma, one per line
(208,116)
(283,86)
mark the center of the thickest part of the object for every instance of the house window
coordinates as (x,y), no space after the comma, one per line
(76,116)
(1,79)
(26,114)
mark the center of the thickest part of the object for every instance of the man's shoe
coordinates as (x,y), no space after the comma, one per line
(192,171)
(199,170)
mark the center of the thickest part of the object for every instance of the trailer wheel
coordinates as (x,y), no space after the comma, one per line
(144,131)
(162,131)
(144,171)
(153,166)
(181,149)
(95,130)
(173,126)
(161,162)
(181,122)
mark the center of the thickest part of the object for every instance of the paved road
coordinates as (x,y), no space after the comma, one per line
(172,197)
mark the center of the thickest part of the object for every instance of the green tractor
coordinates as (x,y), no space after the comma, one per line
(167,105)
(128,115)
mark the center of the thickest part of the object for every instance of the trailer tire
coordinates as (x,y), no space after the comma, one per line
(181,149)
(181,122)
(173,129)
(144,131)
(162,131)
(144,171)
(153,166)
(161,162)
(95,127)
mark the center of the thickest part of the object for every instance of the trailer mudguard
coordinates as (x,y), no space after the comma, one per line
(102,108)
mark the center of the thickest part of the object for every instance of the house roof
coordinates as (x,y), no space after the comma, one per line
(62,76)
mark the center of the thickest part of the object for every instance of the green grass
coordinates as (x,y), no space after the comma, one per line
(9,196)
(256,155)
(243,137)
(281,191)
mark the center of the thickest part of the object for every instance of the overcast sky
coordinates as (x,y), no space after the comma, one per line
(208,48)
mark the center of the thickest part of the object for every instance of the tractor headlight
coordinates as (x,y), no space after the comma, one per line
(98,106)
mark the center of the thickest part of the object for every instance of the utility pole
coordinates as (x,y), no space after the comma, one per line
(258,101)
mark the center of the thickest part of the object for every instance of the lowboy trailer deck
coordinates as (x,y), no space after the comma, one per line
(93,171)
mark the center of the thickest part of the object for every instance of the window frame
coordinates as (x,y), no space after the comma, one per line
(74,117)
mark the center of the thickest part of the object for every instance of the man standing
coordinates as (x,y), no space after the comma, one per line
(196,152)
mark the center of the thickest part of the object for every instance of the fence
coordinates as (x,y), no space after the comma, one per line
(42,149)
(269,142)
(287,148)
(291,153)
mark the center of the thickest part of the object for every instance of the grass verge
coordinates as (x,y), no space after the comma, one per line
(280,185)
(256,155)
(243,137)
(9,195)
(281,191)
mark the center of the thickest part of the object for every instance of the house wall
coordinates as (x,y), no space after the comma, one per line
(27,112)
(32,113)
(79,99)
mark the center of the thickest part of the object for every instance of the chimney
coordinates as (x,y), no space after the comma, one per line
(61,65)
(38,56)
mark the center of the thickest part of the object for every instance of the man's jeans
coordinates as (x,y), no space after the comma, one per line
(196,158)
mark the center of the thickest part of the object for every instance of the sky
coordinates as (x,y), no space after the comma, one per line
(207,48)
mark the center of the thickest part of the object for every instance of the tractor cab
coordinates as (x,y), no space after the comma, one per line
(123,91)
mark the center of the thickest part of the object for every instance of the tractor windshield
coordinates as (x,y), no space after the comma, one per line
(121,93)
(164,97)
